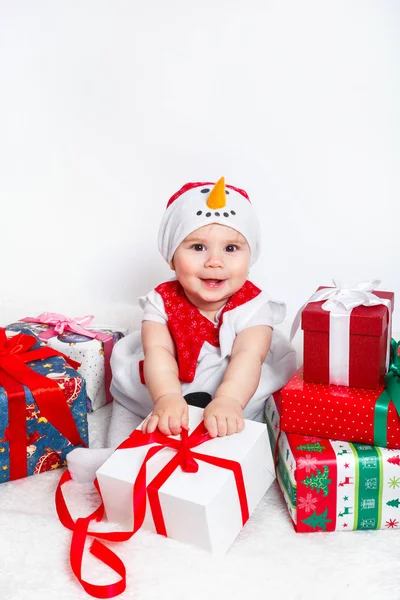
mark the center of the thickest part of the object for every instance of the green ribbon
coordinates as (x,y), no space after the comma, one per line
(390,394)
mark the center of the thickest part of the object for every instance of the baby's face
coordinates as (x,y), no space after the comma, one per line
(211,264)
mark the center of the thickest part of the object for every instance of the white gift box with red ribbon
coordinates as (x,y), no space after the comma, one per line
(201,508)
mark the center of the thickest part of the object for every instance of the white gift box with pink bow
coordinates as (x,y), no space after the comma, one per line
(88,345)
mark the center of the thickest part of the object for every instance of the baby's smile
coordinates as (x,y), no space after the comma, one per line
(213,283)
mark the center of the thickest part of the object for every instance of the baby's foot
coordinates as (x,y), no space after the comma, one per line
(84,462)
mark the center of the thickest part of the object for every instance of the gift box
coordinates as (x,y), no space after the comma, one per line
(332,485)
(344,413)
(42,407)
(90,347)
(200,492)
(345,342)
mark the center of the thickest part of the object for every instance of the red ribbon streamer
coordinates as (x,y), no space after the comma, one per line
(184,457)
(108,345)
(14,375)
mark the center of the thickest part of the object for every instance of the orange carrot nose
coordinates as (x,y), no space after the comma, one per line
(217,196)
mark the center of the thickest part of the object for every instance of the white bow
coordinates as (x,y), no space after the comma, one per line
(340,301)
(341,297)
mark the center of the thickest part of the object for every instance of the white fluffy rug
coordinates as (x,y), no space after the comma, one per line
(267,560)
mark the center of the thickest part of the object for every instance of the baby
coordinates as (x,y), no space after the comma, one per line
(207,336)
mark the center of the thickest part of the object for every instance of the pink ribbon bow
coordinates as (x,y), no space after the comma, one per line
(61,323)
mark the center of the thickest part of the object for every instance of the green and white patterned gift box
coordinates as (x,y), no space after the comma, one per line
(329,485)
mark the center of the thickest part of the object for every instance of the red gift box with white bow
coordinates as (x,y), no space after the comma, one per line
(347,334)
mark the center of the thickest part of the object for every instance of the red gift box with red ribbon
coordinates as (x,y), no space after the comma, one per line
(347,346)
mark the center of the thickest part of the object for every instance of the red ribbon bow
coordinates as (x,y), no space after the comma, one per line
(184,457)
(14,375)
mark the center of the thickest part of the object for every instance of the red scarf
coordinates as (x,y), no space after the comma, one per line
(189,328)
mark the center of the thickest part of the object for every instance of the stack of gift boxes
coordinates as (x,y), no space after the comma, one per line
(53,371)
(334,430)
(335,426)
(62,367)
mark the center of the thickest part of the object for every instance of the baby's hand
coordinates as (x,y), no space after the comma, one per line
(223,416)
(169,415)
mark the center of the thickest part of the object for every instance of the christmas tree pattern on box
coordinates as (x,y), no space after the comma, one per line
(330,485)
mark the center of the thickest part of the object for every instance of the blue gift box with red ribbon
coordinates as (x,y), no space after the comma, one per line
(92,347)
(42,407)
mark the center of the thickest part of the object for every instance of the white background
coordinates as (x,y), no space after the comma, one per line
(108,106)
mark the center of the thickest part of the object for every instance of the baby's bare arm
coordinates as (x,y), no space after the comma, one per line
(161,376)
(160,366)
(224,414)
(242,375)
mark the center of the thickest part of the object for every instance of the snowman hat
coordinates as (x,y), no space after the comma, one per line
(201,203)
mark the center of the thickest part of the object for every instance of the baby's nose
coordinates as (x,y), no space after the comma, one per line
(214,259)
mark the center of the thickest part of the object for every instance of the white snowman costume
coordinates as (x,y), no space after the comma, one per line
(128,386)
(192,207)
(203,347)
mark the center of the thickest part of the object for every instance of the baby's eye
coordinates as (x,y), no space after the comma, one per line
(198,247)
(231,248)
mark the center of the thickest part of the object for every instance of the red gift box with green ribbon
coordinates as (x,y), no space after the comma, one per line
(345,413)
(42,407)
(330,485)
